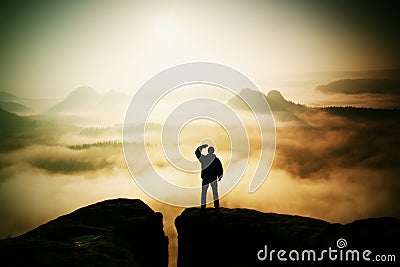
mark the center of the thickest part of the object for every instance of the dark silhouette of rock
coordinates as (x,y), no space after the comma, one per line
(278,103)
(118,232)
(233,237)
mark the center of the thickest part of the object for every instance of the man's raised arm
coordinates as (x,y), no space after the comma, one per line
(198,150)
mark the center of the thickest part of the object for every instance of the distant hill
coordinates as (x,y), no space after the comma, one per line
(82,98)
(15,108)
(4,96)
(282,109)
(257,100)
(10,122)
(373,74)
(23,106)
(393,74)
(278,103)
(84,105)
(359,86)
(19,131)
(15,130)
(286,111)
(86,99)
(12,104)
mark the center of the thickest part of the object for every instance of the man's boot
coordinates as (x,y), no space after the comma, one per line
(216,204)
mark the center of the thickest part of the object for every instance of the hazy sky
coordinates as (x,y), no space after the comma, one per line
(48,48)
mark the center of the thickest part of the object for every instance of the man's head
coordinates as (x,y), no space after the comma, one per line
(210,150)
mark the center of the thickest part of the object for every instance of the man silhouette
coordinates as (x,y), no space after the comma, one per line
(211,169)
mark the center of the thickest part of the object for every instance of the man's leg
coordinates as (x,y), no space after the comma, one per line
(204,195)
(214,186)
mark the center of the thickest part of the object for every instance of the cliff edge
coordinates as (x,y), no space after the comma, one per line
(118,232)
(244,237)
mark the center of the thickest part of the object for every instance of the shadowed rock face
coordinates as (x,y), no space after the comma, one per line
(233,237)
(119,232)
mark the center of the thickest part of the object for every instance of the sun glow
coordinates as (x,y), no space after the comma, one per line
(167,31)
